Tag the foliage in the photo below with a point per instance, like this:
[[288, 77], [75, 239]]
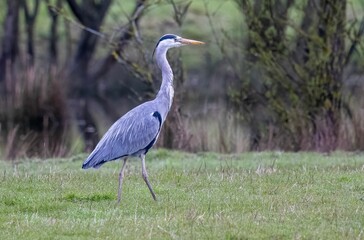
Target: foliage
[[290, 88], [200, 196]]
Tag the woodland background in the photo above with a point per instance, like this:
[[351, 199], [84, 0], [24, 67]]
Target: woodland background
[[274, 75]]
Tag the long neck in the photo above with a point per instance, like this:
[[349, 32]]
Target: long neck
[[166, 89]]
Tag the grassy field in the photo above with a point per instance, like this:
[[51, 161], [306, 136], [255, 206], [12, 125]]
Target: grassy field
[[200, 196]]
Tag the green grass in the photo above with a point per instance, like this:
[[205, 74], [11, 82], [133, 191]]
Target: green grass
[[200, 196]]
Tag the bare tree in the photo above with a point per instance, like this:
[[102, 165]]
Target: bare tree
[[89, 13]]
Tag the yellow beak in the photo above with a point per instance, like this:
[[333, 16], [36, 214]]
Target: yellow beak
[[190, 41]]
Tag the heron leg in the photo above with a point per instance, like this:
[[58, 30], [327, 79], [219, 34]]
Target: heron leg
[[145, 176], [121, 176]]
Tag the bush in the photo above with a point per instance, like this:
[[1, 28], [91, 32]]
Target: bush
[[33, 115]]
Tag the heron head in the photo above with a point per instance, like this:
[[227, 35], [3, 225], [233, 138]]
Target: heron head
[[170, 41]]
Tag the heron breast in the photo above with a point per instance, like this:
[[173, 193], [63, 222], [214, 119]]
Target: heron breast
[[171, 94]]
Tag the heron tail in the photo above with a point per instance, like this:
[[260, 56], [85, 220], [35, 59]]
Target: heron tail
[[86, 164], [97, 159], [93, 160]]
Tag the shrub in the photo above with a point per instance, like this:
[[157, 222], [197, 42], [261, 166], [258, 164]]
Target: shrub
[[34, 119]]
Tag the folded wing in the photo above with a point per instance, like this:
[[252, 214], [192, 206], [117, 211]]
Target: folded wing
[[130, 135]]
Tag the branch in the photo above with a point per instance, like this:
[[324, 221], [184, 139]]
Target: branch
[[126, 34], [180, 13], [355, 42], [53, 10]]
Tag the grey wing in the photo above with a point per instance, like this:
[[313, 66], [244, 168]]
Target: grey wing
[[127, 136]]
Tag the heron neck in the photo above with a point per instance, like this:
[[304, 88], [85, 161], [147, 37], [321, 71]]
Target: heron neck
[[166, 89]]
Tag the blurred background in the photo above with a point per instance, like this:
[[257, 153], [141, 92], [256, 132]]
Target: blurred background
[[274, 75]]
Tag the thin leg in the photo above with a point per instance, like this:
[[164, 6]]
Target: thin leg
[[145, 176], [121, 176]]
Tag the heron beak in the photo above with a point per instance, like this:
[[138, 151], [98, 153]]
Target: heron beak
[[190, 41]]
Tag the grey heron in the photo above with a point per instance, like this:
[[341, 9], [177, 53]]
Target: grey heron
[[136, 132]]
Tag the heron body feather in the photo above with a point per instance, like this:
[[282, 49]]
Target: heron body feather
[[133, 134]]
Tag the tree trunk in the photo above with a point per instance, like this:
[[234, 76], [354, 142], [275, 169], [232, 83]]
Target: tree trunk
[[10, 40], [53, 37], [29, 27], [266, 23], [90, 13], [331, 30]]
